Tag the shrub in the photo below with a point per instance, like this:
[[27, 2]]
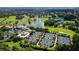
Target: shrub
[[16, 39]]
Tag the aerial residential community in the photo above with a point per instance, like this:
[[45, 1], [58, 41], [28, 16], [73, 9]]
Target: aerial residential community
[[39, 29]]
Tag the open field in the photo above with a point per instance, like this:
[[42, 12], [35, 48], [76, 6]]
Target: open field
[[66, 31], [69, 22], [24, 20], [9, 20], [12, 20], [43, 19]]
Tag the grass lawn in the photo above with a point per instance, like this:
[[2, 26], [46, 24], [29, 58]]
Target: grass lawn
[[10, 20], [13, 44], [67, 31], [43, 19], [17, 45], [24, 20], [1, 19], [69, 22]]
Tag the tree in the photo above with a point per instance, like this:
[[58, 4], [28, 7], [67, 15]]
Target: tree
[[63, 47], [77, 31], [14, 48], [16, 39], [23, 43], [16, 22], [76, 22], [50, 22], [31, 27], [70, 17], [4, 28], [1, 35], [75, 45]]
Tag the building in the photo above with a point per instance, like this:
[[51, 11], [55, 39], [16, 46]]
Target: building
[[24, 34]]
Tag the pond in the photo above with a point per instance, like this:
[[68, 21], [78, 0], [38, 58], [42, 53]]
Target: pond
[[39, 24]]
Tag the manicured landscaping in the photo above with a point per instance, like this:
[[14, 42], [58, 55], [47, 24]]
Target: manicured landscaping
[[43, 19], [10, 20], [69, 22], [65, 31], [17, 46], [24, 20]]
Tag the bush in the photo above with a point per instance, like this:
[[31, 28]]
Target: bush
[[77, 31], [42, 29], [14, 48], [1, 35], [75, 41], [16, 39], [31, 27], [38, 47], [49, 23], [4, 28]]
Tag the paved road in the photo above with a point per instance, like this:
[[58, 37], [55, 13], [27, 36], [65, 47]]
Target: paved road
[[6, 39], [55, 41]]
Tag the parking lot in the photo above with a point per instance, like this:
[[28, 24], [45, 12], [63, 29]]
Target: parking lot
[[64, 40], [34, 38], [45, 40]]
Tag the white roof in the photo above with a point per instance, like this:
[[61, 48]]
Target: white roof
[[24, 34]]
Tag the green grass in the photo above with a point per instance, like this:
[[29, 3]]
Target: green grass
[[69, 22], [17, 45], [13, 44], [43, 19], [1, 19], [24, 20], [66, 31], [10, 20]]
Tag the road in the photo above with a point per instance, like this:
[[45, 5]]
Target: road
[[55, 41], [5, 39]]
